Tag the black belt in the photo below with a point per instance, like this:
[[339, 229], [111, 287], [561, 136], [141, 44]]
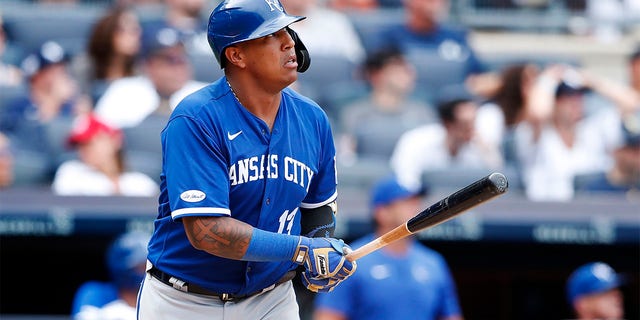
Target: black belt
[[192, 288]]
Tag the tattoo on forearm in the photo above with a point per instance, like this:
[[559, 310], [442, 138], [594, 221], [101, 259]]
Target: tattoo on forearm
[[216, 236]]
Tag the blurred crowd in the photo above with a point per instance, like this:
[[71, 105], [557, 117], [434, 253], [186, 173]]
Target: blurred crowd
[[403, 86], [405, 90]]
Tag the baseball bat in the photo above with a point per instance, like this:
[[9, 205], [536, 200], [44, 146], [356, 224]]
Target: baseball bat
[[482, 190]]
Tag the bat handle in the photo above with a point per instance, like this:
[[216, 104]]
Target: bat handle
[[399, 232]]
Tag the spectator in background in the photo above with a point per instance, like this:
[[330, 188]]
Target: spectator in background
[[560, 140], [166, 79], [64, 2], [441, 51], [520, 92], [624, 175], [593, 291], [325, 32], [353, 5], [452, 143], [100, 169], [403, 280], [126, 259], [37, 123], [113, 47], [634, 70], [371, 126], [607, 19], [10, 75], [6, 162], [141, 105], [508, 106], [624, 97], [138, 2], [186, 16]]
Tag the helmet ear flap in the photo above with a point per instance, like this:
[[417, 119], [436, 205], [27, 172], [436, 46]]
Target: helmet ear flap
[[302, 54]]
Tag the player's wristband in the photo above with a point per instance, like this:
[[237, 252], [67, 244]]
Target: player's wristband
[[270, 246]]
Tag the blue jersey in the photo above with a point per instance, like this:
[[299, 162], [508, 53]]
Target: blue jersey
[[221, 160], [93, 294], [417, 285]]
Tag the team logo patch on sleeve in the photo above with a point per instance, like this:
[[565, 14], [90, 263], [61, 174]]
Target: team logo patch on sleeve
[[193, 196]]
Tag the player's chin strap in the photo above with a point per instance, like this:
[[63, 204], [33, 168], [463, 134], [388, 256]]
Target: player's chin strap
[[302, 54]]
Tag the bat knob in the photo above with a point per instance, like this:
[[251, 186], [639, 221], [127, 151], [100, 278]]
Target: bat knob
[[499, 181]]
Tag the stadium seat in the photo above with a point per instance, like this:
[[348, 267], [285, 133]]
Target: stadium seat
[[57, 131], [143, 149], [146, 135], [32, 169], [10, 93], [341, 94], [498, 61], [362, 173], [12, 54], [448, 180], [370, 24], [390, 3], [205, 67], [452, 179], [324, 78], [434, 72], [532, 16], [69, 25], [582, 182]]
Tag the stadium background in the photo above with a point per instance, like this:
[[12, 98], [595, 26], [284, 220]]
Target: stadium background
[[510, 258]]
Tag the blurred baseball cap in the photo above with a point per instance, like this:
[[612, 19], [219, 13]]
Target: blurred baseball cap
[[49, 53], [450, 96], [568, 89], [158, 36], [389, 190], [379, 58], [86, 127], [454, 93], [571, 84], [591, 278]]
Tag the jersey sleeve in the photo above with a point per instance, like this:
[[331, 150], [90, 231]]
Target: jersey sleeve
[[323, 187], [195, 170]]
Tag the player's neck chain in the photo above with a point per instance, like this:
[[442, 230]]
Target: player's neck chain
[[234, 93]]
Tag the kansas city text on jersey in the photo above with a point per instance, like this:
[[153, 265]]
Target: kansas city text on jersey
[[248, 169]]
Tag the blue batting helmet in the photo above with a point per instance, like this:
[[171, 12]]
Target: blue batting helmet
[[126, 257], [234, 21]]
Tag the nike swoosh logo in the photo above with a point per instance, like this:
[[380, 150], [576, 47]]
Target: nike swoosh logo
[[233, 136]]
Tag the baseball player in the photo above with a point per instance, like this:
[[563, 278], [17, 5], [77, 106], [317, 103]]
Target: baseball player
[[404, 280], [594, 292], [116, 299], [248, 185]]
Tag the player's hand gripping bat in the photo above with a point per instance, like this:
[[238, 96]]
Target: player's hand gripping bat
[[482, 190]]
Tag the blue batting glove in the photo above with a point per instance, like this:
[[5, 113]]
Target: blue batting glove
[[324, 258], [318, 285]]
